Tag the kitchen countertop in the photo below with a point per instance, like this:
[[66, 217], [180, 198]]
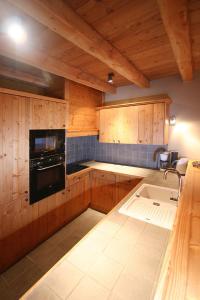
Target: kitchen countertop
[[119, 259]]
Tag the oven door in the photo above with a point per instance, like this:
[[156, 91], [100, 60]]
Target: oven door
[[46, 181]]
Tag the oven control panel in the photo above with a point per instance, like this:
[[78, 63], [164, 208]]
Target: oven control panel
[[46, 161]]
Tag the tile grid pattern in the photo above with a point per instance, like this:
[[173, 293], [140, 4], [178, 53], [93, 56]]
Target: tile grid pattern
[[89, 148], [107, 264], [20, 277]]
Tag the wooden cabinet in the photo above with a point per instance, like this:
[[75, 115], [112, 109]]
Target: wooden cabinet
[[125, 184], [108, 189], [103, 196], [119, 125], [77, 194], [82, 104], [160, 123], [136, 124], [145, 124], [23, 226], [47, 114]]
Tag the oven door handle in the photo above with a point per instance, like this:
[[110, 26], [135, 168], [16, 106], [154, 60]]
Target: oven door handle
[[56, 165]]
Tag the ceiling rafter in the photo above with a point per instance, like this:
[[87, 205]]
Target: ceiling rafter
[[175, 17], [60, 18]]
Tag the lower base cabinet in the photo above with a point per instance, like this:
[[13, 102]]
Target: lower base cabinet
[[108, 189], [124, 184], [77, 195], [103, 196]]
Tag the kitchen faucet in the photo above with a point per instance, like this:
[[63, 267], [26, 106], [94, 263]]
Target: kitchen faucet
[[174, 171]]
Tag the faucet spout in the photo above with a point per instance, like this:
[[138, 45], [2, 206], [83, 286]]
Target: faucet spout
[[174, 171]]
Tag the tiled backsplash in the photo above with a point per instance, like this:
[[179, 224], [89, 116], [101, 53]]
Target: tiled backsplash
[[89, 148]]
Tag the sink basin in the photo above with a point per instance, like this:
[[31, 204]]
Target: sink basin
[[152, 204]]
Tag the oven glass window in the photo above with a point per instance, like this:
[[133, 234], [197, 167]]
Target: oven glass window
[[45, 144]]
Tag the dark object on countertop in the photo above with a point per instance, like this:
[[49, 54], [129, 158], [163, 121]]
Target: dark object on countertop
[[73, 168], [196, 164]]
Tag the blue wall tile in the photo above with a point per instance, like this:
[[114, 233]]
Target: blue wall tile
[[89, 148]]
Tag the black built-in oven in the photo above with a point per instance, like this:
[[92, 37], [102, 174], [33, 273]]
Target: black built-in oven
[[47, 163]]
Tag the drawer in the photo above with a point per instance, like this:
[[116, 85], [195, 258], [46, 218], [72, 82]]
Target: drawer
[[75, 178]]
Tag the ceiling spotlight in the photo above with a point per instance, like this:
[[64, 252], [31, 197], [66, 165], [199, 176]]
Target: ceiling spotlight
[[110, 78], [172, 120], [16, 31]]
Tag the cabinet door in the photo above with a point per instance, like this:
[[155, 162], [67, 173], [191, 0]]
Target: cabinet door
[[103, 196], [56, 115], [124, 185], [107, 126], [15, 212], [127, 125], [119, 125], [78, 195], [39, 114], [160, 124], [145, 124]]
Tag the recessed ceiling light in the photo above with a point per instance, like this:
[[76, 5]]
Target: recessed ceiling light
[[16, 31], [110, 78]]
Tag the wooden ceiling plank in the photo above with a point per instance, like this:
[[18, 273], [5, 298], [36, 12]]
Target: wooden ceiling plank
[[44, 62], [176, 21], [14, 73], [60, 18]]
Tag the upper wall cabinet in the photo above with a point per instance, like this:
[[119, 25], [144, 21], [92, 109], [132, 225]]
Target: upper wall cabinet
[[47, 114], [135, 123], [119, 125]]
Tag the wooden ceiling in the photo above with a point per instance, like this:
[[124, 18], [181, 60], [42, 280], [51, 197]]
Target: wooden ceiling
[[135, 29]]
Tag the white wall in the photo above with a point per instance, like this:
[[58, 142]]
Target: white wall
[[185, 135]]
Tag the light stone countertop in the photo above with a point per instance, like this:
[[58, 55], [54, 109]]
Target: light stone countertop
[[119, 259]]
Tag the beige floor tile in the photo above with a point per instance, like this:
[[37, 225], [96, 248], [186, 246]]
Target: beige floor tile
[[128, 288], [119, 250], [41, 292], [117, 217], [63, 279], [96, 240], [131, 231], [108, 227], [5, 292], [24, 282], [46, 255], [69, 242], [89, 289], [154, 236], [83, 257], [14, 272], [143, 262], [106, 271]]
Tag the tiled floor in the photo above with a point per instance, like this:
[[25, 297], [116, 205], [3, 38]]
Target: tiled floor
[[20, 277]]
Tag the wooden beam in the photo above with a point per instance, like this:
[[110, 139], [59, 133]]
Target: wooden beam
[[42, 61], [13, 73], [60, 18], [175, 17]]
